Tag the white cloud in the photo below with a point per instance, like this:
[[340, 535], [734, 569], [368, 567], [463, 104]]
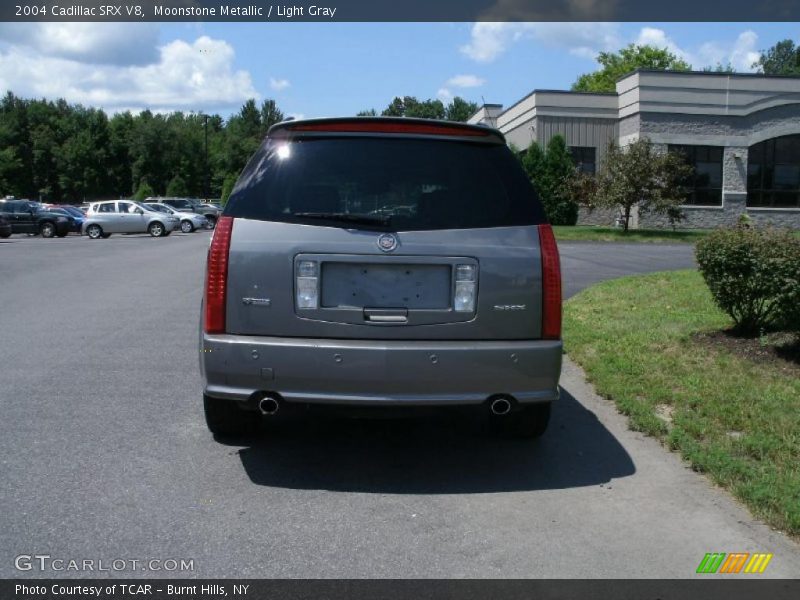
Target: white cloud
[[444, 95], [278, 85], [195, 75], [489, 40], [465, 81], [745, 51], [741, 53], [91, 43], [650, 36]]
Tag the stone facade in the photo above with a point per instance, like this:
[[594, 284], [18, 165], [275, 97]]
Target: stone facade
[[731, 111], [598, 216]]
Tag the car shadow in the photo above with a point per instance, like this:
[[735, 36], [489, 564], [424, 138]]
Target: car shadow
[[441, 455]]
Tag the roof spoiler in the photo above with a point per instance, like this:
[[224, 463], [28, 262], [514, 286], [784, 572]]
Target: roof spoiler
[[401, 126]]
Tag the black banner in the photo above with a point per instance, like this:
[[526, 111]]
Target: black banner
[[392, 10], [405, 589]]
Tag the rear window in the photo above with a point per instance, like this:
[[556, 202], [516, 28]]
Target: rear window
[[397, 184]]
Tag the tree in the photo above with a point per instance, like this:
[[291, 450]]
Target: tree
[[227, 188], [177, 187], [460, 110], [551, 172], [63, 152], [614, 65], [409, 106], [638, 175], [781, 59], [270, 114], [143, 191], [720, 68], [370, 112]]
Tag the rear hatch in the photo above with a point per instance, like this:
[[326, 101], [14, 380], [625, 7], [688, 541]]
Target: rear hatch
[[376, 232]]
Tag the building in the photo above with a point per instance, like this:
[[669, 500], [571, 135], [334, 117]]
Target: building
[[740, 131]]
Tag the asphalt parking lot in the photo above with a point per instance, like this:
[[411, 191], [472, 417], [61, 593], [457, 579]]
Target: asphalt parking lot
[[105, 454]]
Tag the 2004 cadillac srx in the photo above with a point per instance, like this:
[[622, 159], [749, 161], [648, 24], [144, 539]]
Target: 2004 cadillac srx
[[382, 262]]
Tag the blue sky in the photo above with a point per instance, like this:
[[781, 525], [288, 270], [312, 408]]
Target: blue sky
[[324, 69]]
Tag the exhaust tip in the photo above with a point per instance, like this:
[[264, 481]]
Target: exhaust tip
[[500, 406], [269, 406]]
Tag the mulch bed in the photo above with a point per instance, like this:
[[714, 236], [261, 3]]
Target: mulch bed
[[781, 350]]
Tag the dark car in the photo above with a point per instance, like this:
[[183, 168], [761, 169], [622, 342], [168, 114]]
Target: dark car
[[5, 227], [26, 216], [382, 263], [73, 210], [75, 223]]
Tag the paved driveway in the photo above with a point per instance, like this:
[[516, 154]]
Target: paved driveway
[[104, 453], [585, 263]]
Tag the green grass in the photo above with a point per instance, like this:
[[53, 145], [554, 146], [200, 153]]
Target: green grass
[[736, 421], [591, 233]]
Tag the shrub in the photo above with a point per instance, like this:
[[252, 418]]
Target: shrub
[[143, 191], [551, 171], [177, 187], [754, 276]]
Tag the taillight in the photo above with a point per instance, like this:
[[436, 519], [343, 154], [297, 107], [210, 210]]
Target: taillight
[[551, 284], [217, 276]]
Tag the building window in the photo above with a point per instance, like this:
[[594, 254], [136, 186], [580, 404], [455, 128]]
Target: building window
[[705, 184], [584, 158], [773, 173]]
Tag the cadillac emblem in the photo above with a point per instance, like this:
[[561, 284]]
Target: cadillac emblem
[[387, 242]]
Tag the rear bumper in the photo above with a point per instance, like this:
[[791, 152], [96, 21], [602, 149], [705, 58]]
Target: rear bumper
[[370, 372]]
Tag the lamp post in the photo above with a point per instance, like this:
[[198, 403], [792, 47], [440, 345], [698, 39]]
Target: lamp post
[[205, 162]]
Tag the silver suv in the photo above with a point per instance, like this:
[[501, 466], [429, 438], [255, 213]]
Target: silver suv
[[382, 262]]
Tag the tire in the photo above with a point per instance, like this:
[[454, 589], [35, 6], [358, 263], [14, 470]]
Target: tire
[[47, 229], [186, 226], [225, 418], [529, 421], [212, 221], [5, 235], [156, 229], [95, 232]]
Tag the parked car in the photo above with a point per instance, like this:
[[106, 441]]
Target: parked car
[[454, 298], [126, 216], [74, 221], [191, 205], [5, 227], [73, 210], [189, 221], [26, 216]]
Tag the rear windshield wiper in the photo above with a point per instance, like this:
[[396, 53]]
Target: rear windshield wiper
[[345, 218]]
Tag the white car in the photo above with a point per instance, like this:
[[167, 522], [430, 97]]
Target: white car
[[189, 221], [126, 216]]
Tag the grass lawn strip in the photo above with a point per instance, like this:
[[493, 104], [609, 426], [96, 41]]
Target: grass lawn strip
[[734, 419]]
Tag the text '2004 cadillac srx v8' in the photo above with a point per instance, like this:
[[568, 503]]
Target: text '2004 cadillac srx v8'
[[382, 262]]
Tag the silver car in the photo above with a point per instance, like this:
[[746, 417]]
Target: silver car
[[189, 221], [382, 262], [125, 216]]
